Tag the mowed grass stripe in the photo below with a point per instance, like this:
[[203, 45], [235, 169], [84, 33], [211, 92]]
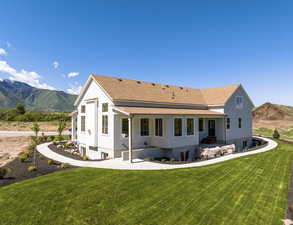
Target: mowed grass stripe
[[249, 190]]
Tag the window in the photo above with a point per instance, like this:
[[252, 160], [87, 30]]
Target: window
[[200, 125], [239, 102], [105, 107], [228, 123], [159, 127], [144, 127], [105, 124], [239, 122], [82, 120], [125, 127], [190, 126], [177, 127], [83, 109]]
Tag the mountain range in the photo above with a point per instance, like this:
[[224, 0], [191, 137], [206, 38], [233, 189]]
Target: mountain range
[[15, 92]]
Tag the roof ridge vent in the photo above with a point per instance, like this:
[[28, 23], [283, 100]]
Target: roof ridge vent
[[181, 88], [139, 82], [153, 84], [119, 79], [167, 85]]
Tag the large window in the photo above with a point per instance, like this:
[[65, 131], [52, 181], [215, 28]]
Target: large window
[[105, 107], [239, 122], [228, 123], [124, 128], [105, 124], [200, 124], [190, 126], [83, 109], [82, 123], [177, 127], [144, 127], [159, 127]]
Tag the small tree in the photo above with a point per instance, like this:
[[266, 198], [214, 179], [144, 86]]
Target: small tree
[[20, 109], [276, 134], [35, 128], [61, 127]]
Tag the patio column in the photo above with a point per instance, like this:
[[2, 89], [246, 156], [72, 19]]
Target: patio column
[[130, 118]]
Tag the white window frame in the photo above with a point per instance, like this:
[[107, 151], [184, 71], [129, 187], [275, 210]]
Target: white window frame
[[124, 118], [82, 131], [182, 129], [186, 127], [162, 127], [149, 133], [239, 105]]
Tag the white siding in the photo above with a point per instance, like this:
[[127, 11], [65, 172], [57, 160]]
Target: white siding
[[235, 134]]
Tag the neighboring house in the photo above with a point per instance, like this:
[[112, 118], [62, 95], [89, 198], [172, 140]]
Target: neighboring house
[[117, 116]]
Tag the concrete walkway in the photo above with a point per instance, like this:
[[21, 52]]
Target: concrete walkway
[[143, 165]]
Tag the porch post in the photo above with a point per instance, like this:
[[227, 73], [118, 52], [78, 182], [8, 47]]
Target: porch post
[[130, 138], [225, 129]]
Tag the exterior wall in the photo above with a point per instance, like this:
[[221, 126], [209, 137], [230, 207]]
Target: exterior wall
[[168, 140], [234, 134], [92, 136]]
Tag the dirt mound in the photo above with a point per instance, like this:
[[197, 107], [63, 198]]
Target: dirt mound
[[268, 111]]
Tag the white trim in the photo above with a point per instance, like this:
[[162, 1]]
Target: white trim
[[182, 123], [149, 119], [186, 125], [154, 126]]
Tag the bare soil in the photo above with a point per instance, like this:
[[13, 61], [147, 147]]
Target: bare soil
[[11, 147], [272, 124], [26, 126]]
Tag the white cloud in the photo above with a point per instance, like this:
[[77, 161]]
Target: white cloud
[[55, 64], [31, 78], [73, 74], [2, 51], [74, 89]]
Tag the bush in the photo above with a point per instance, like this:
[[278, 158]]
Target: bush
[[4, 171], [54, 142], [51, 138], [50, 161], [58, 138], [26, 152], [172, 160], [85, 157], [64, 165], [22, 157], [276, 134], [163, 160], [31, 168], [148, 159]]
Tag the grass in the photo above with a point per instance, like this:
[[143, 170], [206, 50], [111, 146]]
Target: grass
[[287, 134], [244, 191]]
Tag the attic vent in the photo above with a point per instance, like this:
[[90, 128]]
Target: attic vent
[[167, 86], [153, 84], [163, 88], [138, 82], [181, 88], [119, 79]]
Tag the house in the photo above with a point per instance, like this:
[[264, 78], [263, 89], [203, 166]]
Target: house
[[118, 117]]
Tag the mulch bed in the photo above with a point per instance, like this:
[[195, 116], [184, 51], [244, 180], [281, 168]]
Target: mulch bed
[[20, 172], [68, 154]]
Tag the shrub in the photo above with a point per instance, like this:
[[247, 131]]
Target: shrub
[[26, 152], [64, 165], [163, 160], [276, 134], [50, 161], [148, 159], [54, 142], [51, 138], [22, 157], [31, 168], [4, 171], [85, 157], [58, 138], [172, 160]]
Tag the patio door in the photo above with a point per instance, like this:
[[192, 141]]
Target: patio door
[[212, 128]]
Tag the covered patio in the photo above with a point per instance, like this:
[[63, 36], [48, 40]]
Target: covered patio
[[172, 132]]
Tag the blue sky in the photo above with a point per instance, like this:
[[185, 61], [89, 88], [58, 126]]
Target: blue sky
[[191, 43]]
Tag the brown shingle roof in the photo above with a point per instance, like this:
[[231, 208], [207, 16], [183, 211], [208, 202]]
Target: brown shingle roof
[[165, 111], [132, 90]]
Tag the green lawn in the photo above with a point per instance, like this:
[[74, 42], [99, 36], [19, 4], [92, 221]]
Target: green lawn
[[288, 134], [246, 191]]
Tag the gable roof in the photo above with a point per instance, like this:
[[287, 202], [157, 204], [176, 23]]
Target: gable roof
[[132, 90], [218, 95]]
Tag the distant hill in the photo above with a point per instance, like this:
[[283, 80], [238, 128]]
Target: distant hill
[[14, 92], [269, 111], [272, 116]]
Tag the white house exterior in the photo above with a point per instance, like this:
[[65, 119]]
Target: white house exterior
[[118, 117]]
